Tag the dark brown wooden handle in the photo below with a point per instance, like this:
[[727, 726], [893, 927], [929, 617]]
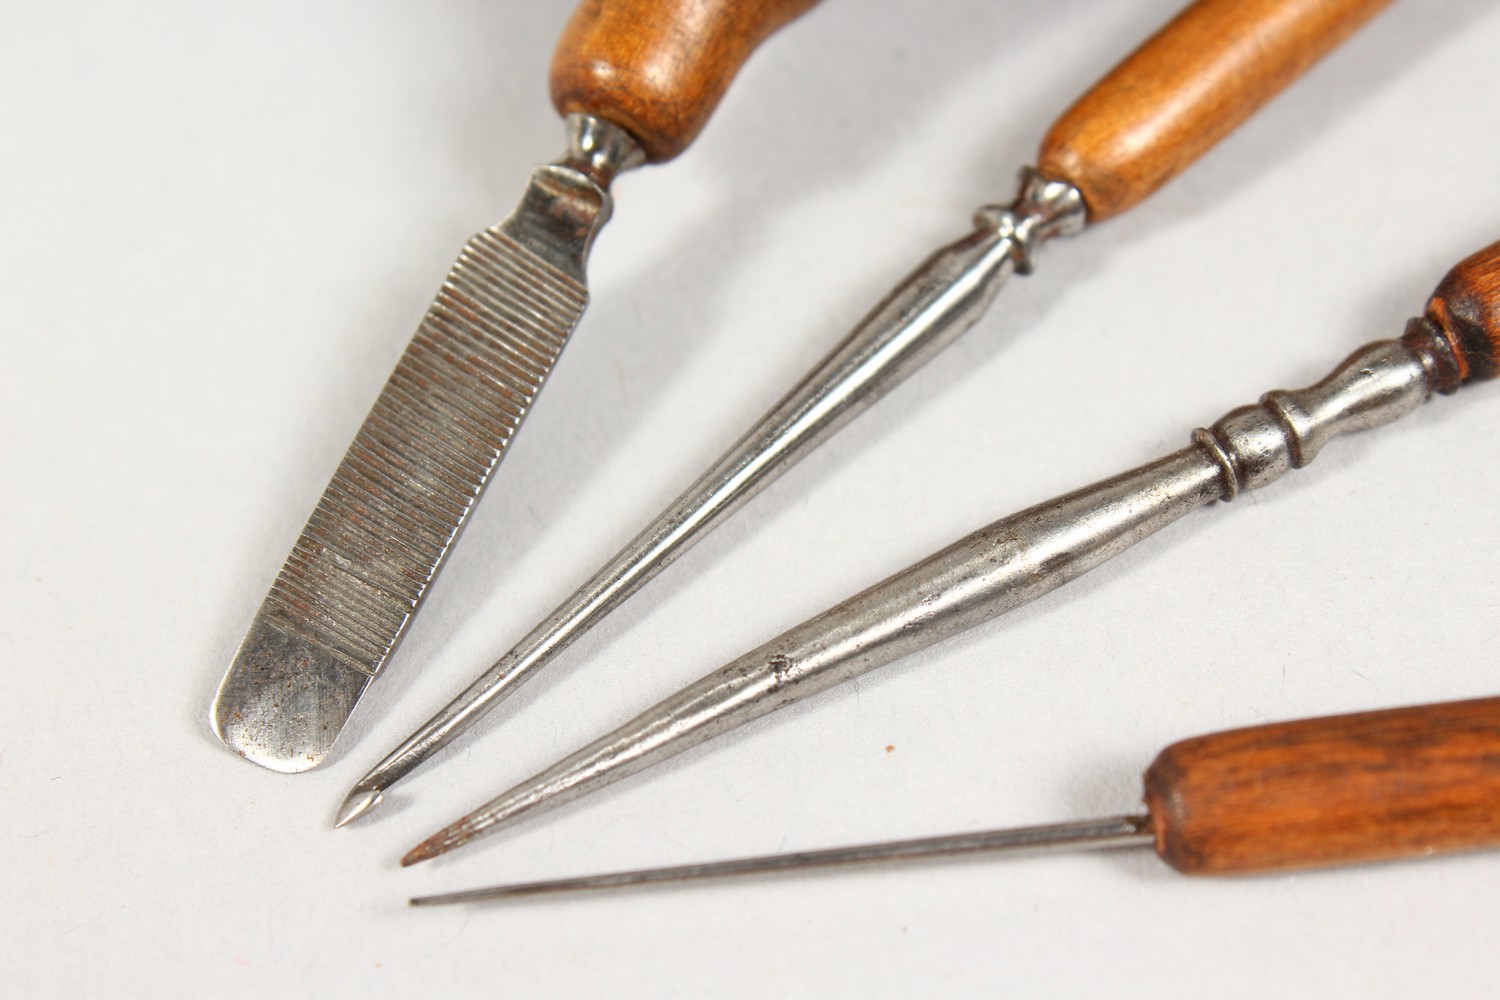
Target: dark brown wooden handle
[[1343, 789], [1188, 87], [1466, 307], [657, 68]]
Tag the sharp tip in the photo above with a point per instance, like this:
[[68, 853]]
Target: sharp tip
[[356, 804], [442, 900], [441, 842], [429, 849], [488, 818], [418, 854]]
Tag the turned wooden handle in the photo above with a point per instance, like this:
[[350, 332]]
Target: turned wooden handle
[[1344, 789], [1466, 307], [657, 68], [1189, 86]]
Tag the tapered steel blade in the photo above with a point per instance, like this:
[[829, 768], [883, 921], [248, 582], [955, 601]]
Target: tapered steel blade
[[364, 562]]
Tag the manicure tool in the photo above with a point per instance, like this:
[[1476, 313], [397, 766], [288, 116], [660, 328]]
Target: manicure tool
[[637, 80], [1341, 790], [1152, 116], [1019, 558]]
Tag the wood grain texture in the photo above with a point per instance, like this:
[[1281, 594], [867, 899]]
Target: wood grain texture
[[1466, 307], [1337, 790], [658, 68], [1186, 88]]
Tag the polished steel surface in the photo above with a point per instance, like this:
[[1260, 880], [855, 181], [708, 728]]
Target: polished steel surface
[[995, 569], [1085, 835], [940, 300], [364, 562]]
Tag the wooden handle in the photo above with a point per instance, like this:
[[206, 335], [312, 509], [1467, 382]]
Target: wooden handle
[[1188, 87], [1343, 789], [1466, 307], [657, 68]]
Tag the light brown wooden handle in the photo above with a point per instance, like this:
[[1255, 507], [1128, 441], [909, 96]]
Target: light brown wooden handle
[[1188, 87], [657, 68], [1338, 790], [1466, 307]]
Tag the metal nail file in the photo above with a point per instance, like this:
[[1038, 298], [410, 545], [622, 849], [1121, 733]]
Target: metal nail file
[[1147, 120], [636, 80], [1346, 789], [1030, 554]]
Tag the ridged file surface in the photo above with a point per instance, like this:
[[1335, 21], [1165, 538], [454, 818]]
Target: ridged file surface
[[437, 431]]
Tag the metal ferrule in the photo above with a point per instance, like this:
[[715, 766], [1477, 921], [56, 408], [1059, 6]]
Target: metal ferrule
[[1002, 566], [600, 149], [568, 201], [1378, 383], [1044, 208]]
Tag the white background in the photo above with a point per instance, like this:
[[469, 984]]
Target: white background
[[220, 223]]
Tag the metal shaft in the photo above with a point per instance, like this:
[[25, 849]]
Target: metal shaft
[[939, 301], [1086, 835], [995, 569]]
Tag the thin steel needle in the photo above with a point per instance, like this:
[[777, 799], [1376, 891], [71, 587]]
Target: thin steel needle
[[1097, 834], [1342, 789]]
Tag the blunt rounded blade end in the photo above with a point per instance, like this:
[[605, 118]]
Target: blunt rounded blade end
[[284, 700]]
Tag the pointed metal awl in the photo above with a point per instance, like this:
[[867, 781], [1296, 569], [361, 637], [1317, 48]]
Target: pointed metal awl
[[1022, 557], [931, 308]]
